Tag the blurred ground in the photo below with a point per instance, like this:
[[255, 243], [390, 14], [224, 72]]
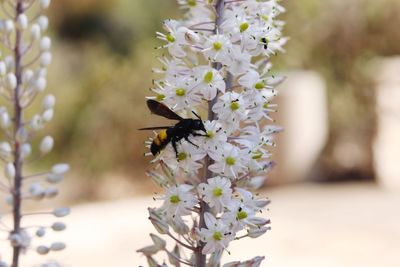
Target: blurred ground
[[340, 225]]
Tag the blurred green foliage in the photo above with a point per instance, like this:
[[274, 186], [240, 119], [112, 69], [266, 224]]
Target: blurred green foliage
[[104, 52]]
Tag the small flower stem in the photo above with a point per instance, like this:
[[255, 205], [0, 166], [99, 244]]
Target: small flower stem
[[17, 201], [201, 259]]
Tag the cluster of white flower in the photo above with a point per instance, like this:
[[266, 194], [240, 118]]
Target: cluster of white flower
[[23, 71], [219, 60]]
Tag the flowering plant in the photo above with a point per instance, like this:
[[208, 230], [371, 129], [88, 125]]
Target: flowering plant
[[219, 61], [23, 70]]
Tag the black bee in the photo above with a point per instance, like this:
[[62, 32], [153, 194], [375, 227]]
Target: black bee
[[182, 130]]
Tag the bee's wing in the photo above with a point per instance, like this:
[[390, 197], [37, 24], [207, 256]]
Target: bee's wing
[[162, 110], [155, 128]]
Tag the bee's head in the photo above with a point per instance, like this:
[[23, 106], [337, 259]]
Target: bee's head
[[198, 125]]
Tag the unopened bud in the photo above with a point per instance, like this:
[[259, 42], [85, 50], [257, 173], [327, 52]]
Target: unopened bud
[[45, 59], [46, 145], [48, 102], [45, 43], [54, 178], [26, 150], [158, 241], [35, 32], [149, 250], [40, 232], [40, 84], [60, 168], [8, 26], [22, 21], [43, 22], [3, 68], [58, 226], [57, 246], [4, 120], [11, 81], [61, 212], [9, 170], [45, 4], [42, 250], [27, 76], [51, 192], [48, 115], [257, 231]]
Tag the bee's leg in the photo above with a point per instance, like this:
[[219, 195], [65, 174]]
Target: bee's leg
[[173, 142], [190, 142], [197, 134]]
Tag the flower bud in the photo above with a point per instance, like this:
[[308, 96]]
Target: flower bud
[[257, 231], [58, 226], [36, 191], [61, 212], [26, 150], [42, 250], [51, 192], [46, 145], [48, 102], [9, 170], [9, 26], [5, 149], [48, 115], [35, 32], [57, 246], [9, 60], [4, 120], [45, 43], [158, 241], [36, 122], [60, 168], [149, 250], [40, 84], [22, 21], [11, 81], [3, 68], [158, 222], [54, 178], [27, 76], [43, 22], [45, 4], [40, 232], [45, 59]]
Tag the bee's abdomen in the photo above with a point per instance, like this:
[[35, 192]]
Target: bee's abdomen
[[159, 142]]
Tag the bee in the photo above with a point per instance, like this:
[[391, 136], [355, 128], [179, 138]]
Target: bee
[[173, 134]]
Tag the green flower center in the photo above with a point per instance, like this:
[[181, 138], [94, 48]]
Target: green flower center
[[180, 92], [208, 77], [217, 46], [265, 17], [191, 3], [259, 85], [210, 134], [217, 236], [182, 156], [160, 97], [266, 105], [244, 26], [230, 161], [174, 199], [217, 192], [170, 38], [241, 215], [235, 106], [257, 155]]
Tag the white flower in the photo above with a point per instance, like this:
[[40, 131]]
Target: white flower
[[181, 94], [209, 81], [239, 62], [231, 109], [188, 157], [216, 136], [230, 161], [216, 193], [179, 200], [217, 235], [217, 49]]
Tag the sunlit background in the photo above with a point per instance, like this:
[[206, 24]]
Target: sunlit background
[[335, 189]]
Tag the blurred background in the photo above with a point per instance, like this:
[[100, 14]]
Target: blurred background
[[335, 190]]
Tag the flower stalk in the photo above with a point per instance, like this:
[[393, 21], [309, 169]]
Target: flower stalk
[[219, 61], [23, 71]]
